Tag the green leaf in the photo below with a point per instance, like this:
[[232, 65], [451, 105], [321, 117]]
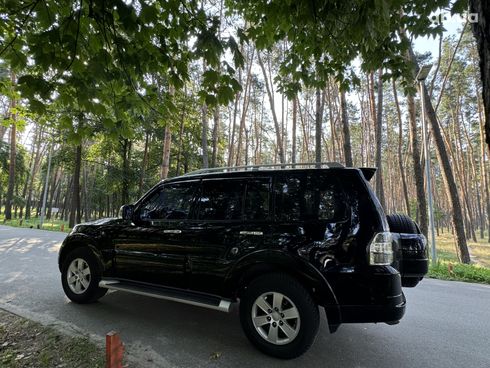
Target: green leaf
[[211, 100], [37, 107], [459, 7], [149, 14], [210, 77]]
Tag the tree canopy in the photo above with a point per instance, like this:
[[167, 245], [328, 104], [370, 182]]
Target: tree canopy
[[323, 38], [72, 51], [89, 55]]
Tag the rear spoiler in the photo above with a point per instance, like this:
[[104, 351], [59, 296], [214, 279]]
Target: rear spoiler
[[368, 172]]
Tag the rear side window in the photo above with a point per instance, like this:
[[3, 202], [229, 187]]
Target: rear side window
[[308, 197], [288, 194], [221, 199], [257, 206], [323, 199]]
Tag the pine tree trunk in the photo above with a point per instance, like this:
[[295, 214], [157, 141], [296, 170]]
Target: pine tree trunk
[[3, 130], [481, 31], [204, 136], [204, 130], [75, 197], [126, 156], [305, 151], [400, 143], [216, 112], [13, 143], [86, 202], [379, 141], [231, 143], [483, 169], [372, 113], [448, 176], [11, 178], [143, 165], [332, 123], [66, 199], [166, 153], [54, 188], [279, 143], [346, 130], [31, 166], [295, 122], [318, 126], [417, 168], [246, 100], [216, 128], [37, 161], [181, 138]]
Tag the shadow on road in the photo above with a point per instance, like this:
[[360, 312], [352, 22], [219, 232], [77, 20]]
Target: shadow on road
[[190, 336]]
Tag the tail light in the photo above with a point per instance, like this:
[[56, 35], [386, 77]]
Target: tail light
[[381, 249]]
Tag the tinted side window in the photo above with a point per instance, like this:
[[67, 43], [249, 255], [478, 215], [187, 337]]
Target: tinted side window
[[221, 199], [308, 197], [172, 201], [289, 199], [323, 199], [257, 200]]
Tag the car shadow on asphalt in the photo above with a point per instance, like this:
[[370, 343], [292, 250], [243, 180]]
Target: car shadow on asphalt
[[190, 336]]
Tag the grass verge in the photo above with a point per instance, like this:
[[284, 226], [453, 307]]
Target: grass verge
[[24, 343], [53, 225], [446, 270]]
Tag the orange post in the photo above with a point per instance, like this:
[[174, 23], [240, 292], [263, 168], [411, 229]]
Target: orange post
[[62, 228], [114, 350]]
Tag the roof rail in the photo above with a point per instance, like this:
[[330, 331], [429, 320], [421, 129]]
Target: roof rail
[[303, 165]]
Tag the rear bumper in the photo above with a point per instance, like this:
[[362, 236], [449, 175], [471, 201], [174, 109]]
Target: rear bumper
[[389, 313], [369, 295]]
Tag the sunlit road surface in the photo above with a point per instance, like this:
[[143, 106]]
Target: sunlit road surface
[[447, 324]]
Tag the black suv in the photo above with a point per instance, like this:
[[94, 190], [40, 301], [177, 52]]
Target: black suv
[[282, 240]]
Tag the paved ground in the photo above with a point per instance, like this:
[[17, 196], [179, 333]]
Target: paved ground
[[447, 324]]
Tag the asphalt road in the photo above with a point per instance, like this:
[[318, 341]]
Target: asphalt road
[[447, 324]]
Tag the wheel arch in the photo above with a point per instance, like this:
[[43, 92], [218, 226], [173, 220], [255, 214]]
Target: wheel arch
[[78, 241], [261, 262]]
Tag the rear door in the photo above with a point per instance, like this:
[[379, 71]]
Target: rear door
[[232, 221]]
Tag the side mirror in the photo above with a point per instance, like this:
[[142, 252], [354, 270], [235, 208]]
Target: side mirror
[[126, 212]]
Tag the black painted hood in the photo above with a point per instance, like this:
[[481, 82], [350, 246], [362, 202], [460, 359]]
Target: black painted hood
[[97, 224]]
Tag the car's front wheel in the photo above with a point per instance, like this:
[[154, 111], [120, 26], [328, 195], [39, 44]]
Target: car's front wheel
[[80, 276], [279, 316]]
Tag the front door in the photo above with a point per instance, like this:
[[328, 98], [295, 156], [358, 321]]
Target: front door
[[153, 248]]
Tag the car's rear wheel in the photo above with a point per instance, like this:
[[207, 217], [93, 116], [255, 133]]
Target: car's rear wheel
[[80, 276], [279, 316]]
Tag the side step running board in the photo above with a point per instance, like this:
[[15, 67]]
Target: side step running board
[[197, 299]]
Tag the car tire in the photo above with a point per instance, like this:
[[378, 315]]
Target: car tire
[[400, 223], [80, 276], [286, 332]]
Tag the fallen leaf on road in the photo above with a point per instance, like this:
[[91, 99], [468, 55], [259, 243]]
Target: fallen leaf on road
[[215, 356]]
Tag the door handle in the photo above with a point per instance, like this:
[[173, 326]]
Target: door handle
[[256, 233], [172, 231]]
